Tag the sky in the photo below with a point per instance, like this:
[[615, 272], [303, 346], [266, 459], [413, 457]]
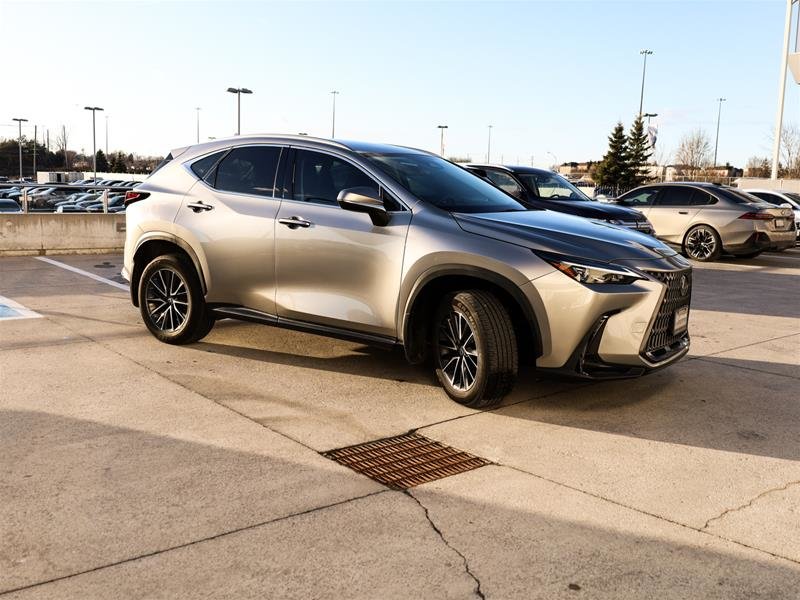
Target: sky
[[552, 78]]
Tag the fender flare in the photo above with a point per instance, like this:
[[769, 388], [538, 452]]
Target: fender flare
[[163, 236]]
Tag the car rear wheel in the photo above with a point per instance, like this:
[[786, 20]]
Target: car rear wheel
[[475, 348], [171, 301], [702, 243]]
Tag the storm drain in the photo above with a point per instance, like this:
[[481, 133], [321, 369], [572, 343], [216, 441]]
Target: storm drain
[[406, 460]]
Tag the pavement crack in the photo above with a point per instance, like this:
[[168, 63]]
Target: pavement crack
[[478, 591], [753, 500]]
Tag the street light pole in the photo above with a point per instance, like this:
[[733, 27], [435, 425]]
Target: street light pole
[[645, 53], [555, 160], [239, 92], [776, 148], [197, 108], [106, 137], [19, 141], [35, 136], [334, 93], [716, 141], [489, 147], [441, 141], [94, 110]]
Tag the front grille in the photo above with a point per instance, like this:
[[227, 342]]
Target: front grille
[[406, 460], [662, 342]]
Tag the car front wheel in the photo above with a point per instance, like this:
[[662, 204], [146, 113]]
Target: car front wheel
[[171, 301], [475, 348]]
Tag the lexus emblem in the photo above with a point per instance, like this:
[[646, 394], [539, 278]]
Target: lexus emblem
[[684, 285]]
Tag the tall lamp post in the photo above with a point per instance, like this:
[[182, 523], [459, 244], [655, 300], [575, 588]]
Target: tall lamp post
[[239, 92], [334, 93], [197, 108], [94, 110], [555, 160], [716, 141], [645, 53], [648, 115], [19, 140], [441, 139], [776, 148], [489, 146], [106, 136]]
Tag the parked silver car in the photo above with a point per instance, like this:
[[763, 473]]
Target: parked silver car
[[395, 246], [705, 219], [783, 199]]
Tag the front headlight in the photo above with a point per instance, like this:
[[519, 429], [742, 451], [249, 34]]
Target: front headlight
[[587, 271]]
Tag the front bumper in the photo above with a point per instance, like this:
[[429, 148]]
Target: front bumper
[[601, 331]]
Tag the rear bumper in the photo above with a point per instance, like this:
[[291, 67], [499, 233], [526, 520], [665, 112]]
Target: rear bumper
[[763, 240]]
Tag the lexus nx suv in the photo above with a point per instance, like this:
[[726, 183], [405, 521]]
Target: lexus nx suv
[[398, 247], [706, 219], [539, 188]]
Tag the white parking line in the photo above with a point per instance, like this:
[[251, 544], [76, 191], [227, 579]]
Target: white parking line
[[110, 282], [10, 310]]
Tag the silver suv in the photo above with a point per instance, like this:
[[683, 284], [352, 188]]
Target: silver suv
[[395, 246]]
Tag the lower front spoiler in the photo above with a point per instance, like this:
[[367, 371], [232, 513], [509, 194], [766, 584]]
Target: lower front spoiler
[[585, 362]]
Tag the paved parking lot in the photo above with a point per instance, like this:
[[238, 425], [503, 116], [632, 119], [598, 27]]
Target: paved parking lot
[[132, 469]]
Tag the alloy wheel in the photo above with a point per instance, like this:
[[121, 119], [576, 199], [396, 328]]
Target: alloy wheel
[[167, 299], [701, 243], [458, 351]]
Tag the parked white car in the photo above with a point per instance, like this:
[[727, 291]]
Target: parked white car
[[781, 198]]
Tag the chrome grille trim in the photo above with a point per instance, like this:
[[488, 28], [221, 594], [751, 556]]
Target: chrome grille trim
[[662, 342]]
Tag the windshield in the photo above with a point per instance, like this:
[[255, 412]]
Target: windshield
[[550, 186], [442, 183]]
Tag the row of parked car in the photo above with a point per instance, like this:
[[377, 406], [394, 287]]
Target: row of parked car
[[79, 196], [703, 220]]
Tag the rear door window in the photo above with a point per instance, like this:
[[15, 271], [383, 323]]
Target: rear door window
[[204, 165], [675, 196], [248, 170]]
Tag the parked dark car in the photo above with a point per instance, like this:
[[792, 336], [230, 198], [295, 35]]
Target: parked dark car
[[9, 206], [543, 189]]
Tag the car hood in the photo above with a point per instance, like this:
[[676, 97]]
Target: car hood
[[597, 210], [564, 234]]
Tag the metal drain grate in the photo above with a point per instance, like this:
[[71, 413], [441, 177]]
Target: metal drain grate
[[406, 460]]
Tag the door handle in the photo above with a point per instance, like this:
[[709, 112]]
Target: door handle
[[295, 222], [683, 212], [199, 206]]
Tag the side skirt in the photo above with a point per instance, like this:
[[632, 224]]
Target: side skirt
[[255, 316]]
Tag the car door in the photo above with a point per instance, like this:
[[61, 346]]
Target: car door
[[672, 211], [230, 215], [334, 267]]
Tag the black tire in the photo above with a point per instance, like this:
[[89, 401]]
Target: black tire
[[749, 254], [493, 345], [171, 301], [706, 249]]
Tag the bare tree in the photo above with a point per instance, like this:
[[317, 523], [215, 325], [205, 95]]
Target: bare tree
[[757, 166], [62, 141], [790, 150], [694, 151]]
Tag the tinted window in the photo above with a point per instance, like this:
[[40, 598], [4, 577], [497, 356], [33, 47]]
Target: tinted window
[[551, 186], [675, 196], [771, 198], [441, 183], [737, 196], [320, 177], [249, 170], [640, 198], [202, 166], [504, 181], [701, 198]]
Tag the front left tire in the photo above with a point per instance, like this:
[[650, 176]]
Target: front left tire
[[475, 348], [171, 301]]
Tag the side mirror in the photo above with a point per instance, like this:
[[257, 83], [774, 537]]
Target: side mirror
[[364, 199]]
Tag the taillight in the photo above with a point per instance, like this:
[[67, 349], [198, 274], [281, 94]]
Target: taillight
[[134, 196], [757, 216]]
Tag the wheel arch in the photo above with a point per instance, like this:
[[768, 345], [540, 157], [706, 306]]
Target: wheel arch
[[155, 245], [423, 300]]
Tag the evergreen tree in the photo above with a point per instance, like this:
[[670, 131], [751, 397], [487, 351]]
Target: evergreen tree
[[639, 153], [102, 162], [613, 169]]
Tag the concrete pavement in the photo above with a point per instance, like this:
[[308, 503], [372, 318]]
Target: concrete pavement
[[134, 469]]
